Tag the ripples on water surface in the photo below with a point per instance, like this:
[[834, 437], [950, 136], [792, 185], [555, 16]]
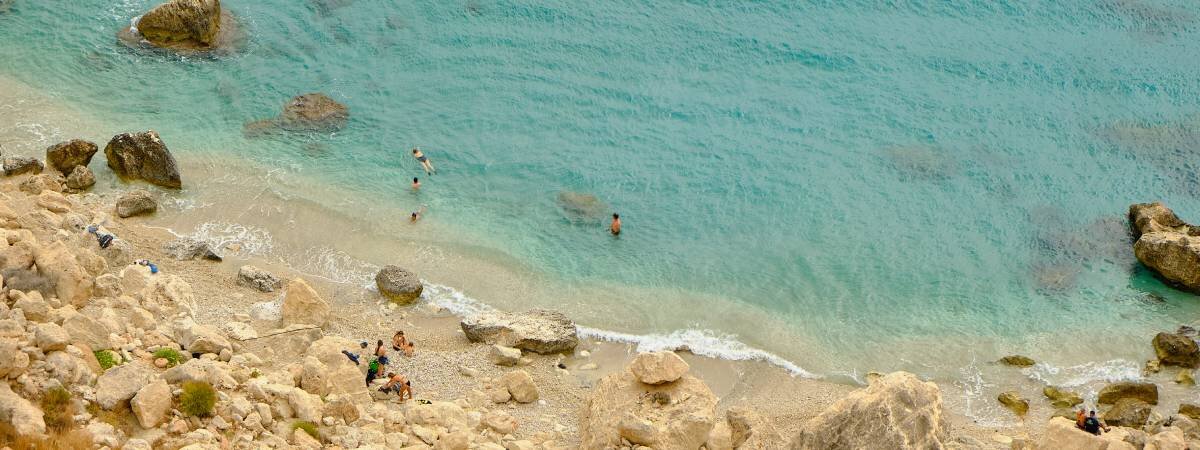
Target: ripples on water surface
[[880, 178]]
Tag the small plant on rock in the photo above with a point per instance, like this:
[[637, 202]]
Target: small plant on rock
[[308, 427], [197, 399], [172, 356], [106, 359]]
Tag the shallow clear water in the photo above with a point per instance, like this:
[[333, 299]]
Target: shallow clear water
[[851, 185]]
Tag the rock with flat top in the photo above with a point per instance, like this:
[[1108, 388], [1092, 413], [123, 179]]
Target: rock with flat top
[[658, 367], [1167, 245], [185, 26], [66, 156], [898, 411], [398, 285], [120, 383], [143, 156], [1176, 350], [1060, 398], [1014, 402], [1128, 412], [537, 330], [1017, 361]]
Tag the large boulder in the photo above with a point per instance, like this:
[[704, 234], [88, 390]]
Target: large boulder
[[1014, 402], [50, 337], [143, 156], [658, 367], [398, 285], [1060, 398], [184, 26], [313, 112], [537, 330], [65, 156], [677, 415], [120, 383], [1166, 244], [1176, 350], [18, 165], [13, 361], [302, 305], [25, 418], [897, 411], [1128, 412], [87, 331], [152, 403], [1146, 392], [72, 283]]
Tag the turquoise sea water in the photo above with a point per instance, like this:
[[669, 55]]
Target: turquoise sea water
[[899, 184]]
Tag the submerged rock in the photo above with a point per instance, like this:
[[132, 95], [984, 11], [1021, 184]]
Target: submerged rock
[[1176, 350], [136, 203], [537, 330], [899, 411], [1013, 401], [1060, 398], [313, 112], [398, 285], [582, 207], [143, 156], [1017, 360], [65, 156]]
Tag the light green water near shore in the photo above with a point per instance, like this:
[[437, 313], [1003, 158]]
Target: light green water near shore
[[849, 186]]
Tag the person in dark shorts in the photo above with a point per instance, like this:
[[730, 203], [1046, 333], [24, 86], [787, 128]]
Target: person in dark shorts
[[1092, 424]]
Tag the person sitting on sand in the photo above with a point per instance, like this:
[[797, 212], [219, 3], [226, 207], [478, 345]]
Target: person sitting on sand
[[416, 215], [1093, 425], [398, 384], [425, 164], [615, 228], [401, 344], [380, 352], [416, 184]]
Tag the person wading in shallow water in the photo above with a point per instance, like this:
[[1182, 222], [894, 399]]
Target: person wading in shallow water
[[425, 164], [615, 228], [416, 184]]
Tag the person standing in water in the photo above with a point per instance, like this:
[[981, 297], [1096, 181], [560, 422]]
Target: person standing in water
[[416, 215], [615, 228], [425, 164], [416, 184]]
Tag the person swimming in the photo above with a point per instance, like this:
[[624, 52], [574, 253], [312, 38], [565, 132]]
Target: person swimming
[[416, 184], [416, 215], [615, 228], [425, 164]]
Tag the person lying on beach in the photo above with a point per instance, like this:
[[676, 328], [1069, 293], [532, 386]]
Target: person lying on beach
[[147, 263], [401, 344], [416, 184], [615, 228], [398, 384], [356, 356], [416, 215], [425, 164]]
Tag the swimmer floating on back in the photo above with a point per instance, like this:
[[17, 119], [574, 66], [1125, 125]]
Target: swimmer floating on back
[[425, 164]]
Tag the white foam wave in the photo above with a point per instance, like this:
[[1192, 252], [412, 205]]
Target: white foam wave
[[242, 240], [699, 342], [337, 266], [974, 390], [1084, 374]]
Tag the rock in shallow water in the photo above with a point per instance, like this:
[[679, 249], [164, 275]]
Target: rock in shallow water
[[398, 285], [1017, 360], [136, 203], [143, 156], [1060, 398], [18, 165], [1013, 401], [1166, 244], [1147, 392], [1128, 412], [1176, 350]]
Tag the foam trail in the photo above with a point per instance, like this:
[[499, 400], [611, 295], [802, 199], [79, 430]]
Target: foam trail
[[699, 342], [1083, 374]]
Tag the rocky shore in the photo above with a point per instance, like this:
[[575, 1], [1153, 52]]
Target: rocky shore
[[97, 351]]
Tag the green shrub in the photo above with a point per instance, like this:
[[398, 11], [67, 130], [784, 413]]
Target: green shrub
[[308, 427], [58, 410], [197, 399], [172, 356], [255, 373], [106, 358]]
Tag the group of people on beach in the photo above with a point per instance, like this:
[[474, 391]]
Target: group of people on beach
[[614, 227], [377, 363]]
